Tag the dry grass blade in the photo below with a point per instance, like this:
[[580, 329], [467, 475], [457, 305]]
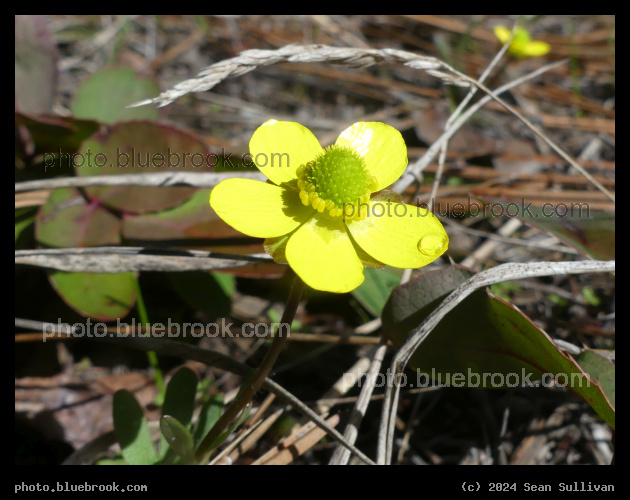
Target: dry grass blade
[[126, 259], [356, 58], [457, 112], [341, 456], [164, 179]]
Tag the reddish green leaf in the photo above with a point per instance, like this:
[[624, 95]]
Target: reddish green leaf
[[601, 370], [192, 219], [134, 148], [68, 220], [484, 340], [55, 134]]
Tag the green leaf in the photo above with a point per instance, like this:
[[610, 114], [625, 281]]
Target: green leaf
[[483, 342], [105, 95], [111, 461], [178, 438], [601, 371], [210, 413], [207, 292], [590, 296], [244, 415], [135, 148], [23, 219], [104, 297], [375, 289], [179, 400], [132, 430]]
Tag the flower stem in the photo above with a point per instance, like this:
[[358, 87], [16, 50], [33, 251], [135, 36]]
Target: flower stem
[[152, 356], [247, 392]]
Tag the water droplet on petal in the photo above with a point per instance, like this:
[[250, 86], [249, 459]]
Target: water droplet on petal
[[432, 244]]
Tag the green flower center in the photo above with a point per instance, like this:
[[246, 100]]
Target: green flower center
[[338, 182]]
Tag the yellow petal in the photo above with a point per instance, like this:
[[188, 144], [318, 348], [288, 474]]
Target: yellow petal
[[258, 209], [400, 235], [322, 254], [502, 33], [536, 48], [382, 148], [278, 148]]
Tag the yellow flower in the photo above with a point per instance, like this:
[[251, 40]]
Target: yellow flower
[[318, 211], [522, 44]]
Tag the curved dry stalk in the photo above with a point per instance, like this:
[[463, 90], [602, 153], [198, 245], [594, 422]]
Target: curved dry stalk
[[161, 179], [127, 259], [341, 455], [498, 274], [249, 60], [419, 165], [458, 110]]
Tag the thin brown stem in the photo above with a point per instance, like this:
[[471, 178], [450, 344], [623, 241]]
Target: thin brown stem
[[247, 392]]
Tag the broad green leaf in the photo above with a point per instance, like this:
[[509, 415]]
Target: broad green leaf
[[105, 95], [178, 438], [210, 293], [134, 148], [210, 413], [601, 370], [374, 291], [35, 64], [483, 342], [132, 430], [104, 297]]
